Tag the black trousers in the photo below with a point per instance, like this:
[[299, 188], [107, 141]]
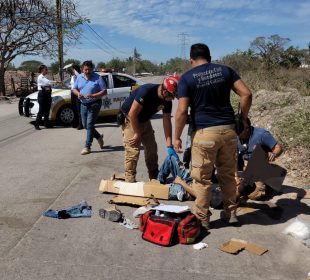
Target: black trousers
[[45, 102], [76, 104]]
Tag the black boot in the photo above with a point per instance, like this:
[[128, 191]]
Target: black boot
[[48, 125]]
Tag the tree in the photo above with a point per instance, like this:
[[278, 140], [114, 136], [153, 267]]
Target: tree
[[135, 60], [29, 27], [116, 64], [73, 61], [291, 57], [101, 66], [269, 49], [178, 65], [11, 67], [30, 65], [241, 61], [54, 67], [147, 66], [306, 53]]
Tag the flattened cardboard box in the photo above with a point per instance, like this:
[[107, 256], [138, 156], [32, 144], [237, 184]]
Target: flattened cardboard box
[[143, 189], [260, 169], [234, 246], [132, 200]]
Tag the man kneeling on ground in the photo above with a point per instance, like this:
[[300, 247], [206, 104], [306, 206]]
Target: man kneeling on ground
[[248, 139]]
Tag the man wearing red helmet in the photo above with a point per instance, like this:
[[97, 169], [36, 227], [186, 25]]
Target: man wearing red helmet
[[139, 108], [206, 90]]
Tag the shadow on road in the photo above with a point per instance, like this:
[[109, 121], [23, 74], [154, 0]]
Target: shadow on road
[[110, 148], [277, 210]]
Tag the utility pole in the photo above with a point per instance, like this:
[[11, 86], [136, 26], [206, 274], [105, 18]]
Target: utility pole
[[60, 40], [134, 65], [183, 42], [134, 61]]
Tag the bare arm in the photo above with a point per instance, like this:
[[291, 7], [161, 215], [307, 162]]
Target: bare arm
[[167, 128], [97, 94], [133, 118], [275, 152], [77, 93], [188, 188], [180, 121], [245, 94]]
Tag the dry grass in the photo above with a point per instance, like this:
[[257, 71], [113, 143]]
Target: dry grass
[[279, 79], [281, 104]]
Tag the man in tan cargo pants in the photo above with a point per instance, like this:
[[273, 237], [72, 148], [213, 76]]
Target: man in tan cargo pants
[[139, 108], [206, 89]]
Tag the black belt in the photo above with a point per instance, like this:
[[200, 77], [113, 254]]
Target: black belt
[[91, 103]]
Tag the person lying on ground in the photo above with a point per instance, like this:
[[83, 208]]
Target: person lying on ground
[[181, 186]]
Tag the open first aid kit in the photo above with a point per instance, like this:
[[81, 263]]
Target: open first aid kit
[[168, 228]]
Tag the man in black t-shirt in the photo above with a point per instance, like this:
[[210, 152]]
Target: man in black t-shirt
[[206, 90], [139, 108]]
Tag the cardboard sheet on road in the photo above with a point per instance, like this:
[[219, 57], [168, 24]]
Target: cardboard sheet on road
[[142, 189], [260, 169], [234, 246], [133, 200]]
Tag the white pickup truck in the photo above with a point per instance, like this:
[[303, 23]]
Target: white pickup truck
[[119, 87]]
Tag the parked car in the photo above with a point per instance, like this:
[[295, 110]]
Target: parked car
[[119, 87]]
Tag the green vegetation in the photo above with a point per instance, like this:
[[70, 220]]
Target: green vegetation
[[54, 67], [294, 129], [30, 66], [269, 66]]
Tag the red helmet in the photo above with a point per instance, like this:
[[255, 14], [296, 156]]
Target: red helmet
[[170, 85]]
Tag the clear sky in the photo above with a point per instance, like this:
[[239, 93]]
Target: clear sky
[[164, 29]]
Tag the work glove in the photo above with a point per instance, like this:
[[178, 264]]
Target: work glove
[[171, 152]]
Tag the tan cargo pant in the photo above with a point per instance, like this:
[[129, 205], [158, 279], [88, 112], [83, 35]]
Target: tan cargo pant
[[132, 152], [214, 146]]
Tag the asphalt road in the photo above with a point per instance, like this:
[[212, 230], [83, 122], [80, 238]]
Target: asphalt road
[[43, 170]]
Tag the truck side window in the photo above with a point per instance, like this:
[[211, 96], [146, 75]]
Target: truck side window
[[105, 78], [122, 81]]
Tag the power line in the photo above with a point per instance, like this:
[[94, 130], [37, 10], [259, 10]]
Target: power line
[[100, 37], [107, 43], [95, 43]]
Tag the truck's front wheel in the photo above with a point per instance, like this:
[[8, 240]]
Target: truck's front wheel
[[66, 115]]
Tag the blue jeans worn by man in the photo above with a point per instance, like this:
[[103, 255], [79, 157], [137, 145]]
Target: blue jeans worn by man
[[89, 87], [89, 114], [174, 167]]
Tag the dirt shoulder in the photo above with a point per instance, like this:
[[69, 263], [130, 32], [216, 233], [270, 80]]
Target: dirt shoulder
[[274, 111]]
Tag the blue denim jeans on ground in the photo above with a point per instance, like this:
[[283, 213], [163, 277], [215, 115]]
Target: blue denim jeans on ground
[[89, 114], [175, 168], [80, 210]]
